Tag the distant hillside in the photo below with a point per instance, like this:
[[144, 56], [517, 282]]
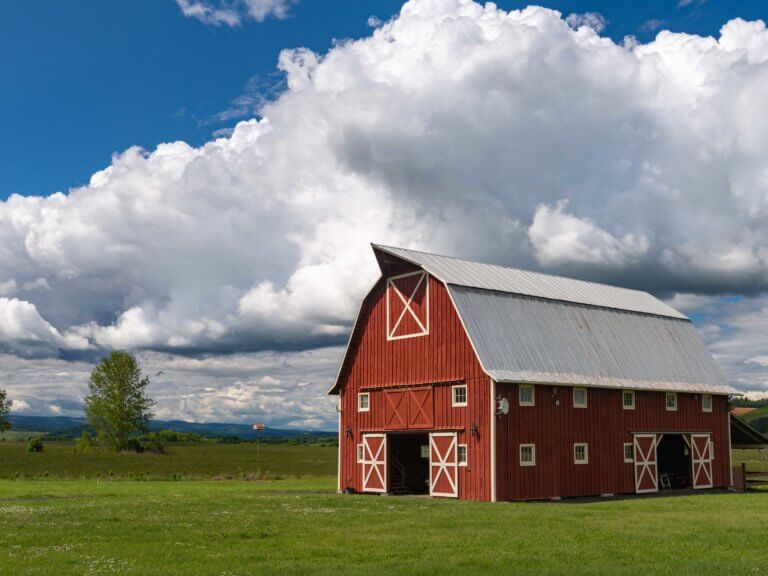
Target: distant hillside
[[72, 427], [758, 419]]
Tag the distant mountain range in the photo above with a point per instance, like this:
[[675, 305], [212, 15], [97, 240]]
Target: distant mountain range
[[66, 426]]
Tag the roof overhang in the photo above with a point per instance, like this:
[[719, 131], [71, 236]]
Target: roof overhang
[[744, 436], [559, 379]]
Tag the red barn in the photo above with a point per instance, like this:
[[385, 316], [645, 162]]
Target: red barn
[[482, 382]]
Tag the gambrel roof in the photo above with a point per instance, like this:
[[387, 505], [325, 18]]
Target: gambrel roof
[[541, 329]]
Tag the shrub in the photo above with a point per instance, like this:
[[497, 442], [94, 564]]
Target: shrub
[[155, 443], [133, 445], [35, 445], [84, 443]]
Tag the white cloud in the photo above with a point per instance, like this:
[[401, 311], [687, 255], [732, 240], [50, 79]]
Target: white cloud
[[594, 20], [559, 238], [232, 13], [25, 332], [456, 127]]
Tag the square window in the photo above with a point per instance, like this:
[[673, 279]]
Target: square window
[[671, 401], [459, 395], [706, 402], [363, 402], [527, 397], [580, 454], [425, 451], [360, 453], [461, 454], [628, 399], [579, 397], [527, 455], [629, 452]]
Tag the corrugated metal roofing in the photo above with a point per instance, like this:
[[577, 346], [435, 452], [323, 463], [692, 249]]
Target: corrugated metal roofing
[[525, 339], [490, 277]]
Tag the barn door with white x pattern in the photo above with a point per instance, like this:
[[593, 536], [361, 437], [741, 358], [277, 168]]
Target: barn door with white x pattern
[[443, 465], [374, 463], [407, 306], [701, 460], [646, 467]]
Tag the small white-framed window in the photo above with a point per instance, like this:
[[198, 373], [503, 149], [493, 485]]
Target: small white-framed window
[[364, 402], [461, 454], [527, 395], [629, 452], [459, 395], [672, 401], [580, 453], [527, 454], [628, 399], [360, 453], [579, 397], [706, 402]]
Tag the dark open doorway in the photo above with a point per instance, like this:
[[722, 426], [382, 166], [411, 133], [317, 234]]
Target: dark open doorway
[[674, 457], [408, 463]]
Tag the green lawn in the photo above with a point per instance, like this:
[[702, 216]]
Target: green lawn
[[303, 527], [186, 461], [53, 521]]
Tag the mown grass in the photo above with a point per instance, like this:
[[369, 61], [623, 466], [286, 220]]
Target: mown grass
[[183, 461], [303, 527]]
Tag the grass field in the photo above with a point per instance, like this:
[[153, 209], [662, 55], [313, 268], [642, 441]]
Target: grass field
[[302, 527], [103, 525], [183, 461]]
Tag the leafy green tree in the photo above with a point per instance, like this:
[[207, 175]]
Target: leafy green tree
[[5, 409], [117, 405]]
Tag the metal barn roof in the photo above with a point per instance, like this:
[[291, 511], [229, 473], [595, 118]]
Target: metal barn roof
[[490, 277], [524, 339]]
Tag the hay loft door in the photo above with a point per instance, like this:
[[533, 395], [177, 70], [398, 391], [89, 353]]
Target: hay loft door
[[443, 465], [374, 464], [407, 306]]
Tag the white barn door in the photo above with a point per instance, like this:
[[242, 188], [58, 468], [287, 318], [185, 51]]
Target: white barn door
[[443, 464], [701, 460], [374, 463], [646, 467]]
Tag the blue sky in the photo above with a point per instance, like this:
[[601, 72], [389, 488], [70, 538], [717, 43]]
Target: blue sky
[[235, 266], [81, 80]]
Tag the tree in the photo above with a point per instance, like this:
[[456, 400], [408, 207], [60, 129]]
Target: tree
[[117, 405], [5, 409]]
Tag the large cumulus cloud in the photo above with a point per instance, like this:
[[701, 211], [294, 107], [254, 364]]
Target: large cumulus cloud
[[511, 137]]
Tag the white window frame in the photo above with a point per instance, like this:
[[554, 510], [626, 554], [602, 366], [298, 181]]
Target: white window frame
[[631, 446], [586, 453], [704, 407], [459, 449], [666, 401], [454, 402], [533, 455], [584, 405], [360, 453], [632, 395], [520, 394], [360, 396]]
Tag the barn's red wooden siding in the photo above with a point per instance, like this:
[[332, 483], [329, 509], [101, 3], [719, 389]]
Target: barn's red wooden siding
[[605, 426], [442, 357]]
